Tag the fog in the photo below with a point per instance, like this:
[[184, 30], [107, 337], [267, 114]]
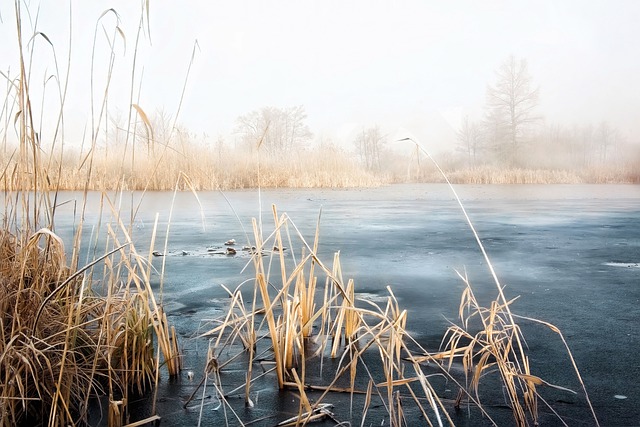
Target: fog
[[412, 68]]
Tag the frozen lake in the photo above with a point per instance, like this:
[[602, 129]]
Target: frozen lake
[[571, 252]]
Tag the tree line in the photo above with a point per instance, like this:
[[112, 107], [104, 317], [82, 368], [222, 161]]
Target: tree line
[[513, 134], [510, 134]]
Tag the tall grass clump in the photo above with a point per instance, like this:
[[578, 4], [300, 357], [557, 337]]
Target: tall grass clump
[[66, 341], [73, 333], [304, 312]]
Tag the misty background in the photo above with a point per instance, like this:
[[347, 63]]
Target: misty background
[[351, 77]]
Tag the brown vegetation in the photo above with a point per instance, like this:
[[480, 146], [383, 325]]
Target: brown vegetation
[[69, 333], [321, 167], [209, 170]]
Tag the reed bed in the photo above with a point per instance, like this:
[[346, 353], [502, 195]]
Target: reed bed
[[488, 174], [73, 333], [206, 168], [495, 175], [236, 168]]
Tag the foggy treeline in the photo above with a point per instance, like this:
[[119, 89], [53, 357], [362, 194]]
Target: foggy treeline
[[512, 133], [512, 142]]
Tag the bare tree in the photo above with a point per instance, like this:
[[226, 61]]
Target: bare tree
[[586, 142], [563, 142], [494, 134], [510, 105], [274, 130], [606, 138], [469, 139], [368, 145]]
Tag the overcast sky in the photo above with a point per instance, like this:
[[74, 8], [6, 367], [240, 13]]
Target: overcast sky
[[417, 66]]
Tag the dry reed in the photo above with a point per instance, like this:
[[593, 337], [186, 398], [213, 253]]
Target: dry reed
[[498, 344], [295, 315], [69, 333]]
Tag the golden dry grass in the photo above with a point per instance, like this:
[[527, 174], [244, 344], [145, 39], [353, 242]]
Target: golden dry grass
[[63, 342], [495, 175], [305, 323], [498, 175], [207, 170], [70, 333]]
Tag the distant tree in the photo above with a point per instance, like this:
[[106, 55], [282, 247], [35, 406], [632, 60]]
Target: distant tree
[[494, 135], [469, 139], [586, 143], [274, 130], [606, 138], [510, 106], [368, 145], [562, 141]]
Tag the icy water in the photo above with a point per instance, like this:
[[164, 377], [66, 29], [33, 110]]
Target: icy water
[[570, 252]]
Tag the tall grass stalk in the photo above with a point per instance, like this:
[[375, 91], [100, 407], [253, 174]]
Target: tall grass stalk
[[499, 344]]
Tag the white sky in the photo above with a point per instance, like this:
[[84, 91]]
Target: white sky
[[412, 65]]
